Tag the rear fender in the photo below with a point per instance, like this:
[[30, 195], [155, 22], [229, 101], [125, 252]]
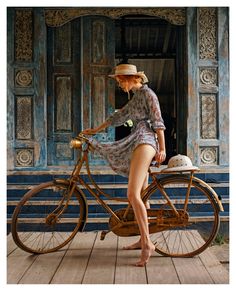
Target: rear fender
[[202, 184], [215, 196]]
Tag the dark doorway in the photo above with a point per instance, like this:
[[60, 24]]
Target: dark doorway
[[152, 45]]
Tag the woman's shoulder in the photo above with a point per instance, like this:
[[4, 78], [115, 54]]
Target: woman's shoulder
[[147, 90]]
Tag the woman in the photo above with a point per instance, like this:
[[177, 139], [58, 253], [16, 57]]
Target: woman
[[133, 155]]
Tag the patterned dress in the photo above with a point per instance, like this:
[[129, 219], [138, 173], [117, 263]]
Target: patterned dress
[[144, 110]]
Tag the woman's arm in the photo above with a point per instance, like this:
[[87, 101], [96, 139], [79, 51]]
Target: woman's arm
[[96, 129], [118, 118], [161, 155]]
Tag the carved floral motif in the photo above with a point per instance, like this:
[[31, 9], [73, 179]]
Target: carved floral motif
[[207, 33], [208, 116], [23, 118], [23, 35], [57, 17]]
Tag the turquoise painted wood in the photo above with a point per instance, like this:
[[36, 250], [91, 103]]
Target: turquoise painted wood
[[223, 54], [193, 121]]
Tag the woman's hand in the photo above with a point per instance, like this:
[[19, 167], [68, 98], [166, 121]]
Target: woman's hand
[[160, 156]]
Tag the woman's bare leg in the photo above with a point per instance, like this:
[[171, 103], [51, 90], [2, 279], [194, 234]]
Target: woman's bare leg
[[141, 159], [137, 245]]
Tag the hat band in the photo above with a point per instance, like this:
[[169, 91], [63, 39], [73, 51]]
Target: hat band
[[125, 72]]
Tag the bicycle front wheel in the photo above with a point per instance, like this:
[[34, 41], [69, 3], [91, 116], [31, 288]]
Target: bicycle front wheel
[[200, 219], [42, 223]]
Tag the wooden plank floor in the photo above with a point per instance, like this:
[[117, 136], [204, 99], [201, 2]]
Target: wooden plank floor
[[88, 260]]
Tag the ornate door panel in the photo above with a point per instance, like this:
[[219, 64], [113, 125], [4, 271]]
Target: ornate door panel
[[98, 61], [63, 107]]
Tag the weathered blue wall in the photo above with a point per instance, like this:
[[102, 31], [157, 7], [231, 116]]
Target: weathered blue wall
[[38, 140]]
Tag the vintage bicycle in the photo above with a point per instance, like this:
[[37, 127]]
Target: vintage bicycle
[[183, 215]]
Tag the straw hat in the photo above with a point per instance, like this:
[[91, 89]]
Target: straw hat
[[180, 163], [128, 69]]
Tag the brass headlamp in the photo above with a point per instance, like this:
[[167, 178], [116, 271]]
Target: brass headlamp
[[76, 144]]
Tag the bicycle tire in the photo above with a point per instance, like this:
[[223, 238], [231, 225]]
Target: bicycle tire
[[35, 227], [202, 217]]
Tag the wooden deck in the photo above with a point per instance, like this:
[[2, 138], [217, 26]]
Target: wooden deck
[[88, 260]]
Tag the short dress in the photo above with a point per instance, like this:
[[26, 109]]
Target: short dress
[[144, 111]]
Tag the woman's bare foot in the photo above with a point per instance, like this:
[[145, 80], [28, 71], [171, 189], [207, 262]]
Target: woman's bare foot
[[145, 255], [135, 246]]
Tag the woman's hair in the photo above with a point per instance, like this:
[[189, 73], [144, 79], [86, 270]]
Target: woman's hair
[[134, 78], [130, 78]]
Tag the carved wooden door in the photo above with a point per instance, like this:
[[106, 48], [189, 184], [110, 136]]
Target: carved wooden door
[[98, 61], [63, 108], [80, 56]]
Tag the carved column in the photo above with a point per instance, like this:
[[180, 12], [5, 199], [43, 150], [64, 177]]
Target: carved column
[[26, 129], [208, 86], [20, 89]]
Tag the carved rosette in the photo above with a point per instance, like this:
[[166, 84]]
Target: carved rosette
[[24, 158], [207, 34], [58, 17], [209, 156], [208, 76], [24, 78], [24, 35]]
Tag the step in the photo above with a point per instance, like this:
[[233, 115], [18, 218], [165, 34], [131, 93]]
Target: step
[[20, 183]]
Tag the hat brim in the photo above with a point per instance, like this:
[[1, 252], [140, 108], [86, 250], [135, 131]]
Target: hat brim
[[140, 74], [180, 169]]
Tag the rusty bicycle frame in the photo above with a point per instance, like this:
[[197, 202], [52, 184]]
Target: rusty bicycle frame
[[122, 221], [168, 218]]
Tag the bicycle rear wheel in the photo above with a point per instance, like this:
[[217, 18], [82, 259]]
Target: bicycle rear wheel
[[200, 220], [37, 224]]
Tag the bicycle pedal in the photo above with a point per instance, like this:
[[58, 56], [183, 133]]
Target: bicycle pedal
[[103, 234]]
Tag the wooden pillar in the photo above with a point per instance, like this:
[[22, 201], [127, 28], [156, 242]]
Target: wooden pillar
[[208, 87], [26, 88]]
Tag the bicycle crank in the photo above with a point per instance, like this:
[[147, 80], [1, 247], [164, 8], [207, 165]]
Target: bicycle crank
[[158, 219]]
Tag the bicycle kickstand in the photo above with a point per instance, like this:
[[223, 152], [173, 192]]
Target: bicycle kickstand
[[103, 234]]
